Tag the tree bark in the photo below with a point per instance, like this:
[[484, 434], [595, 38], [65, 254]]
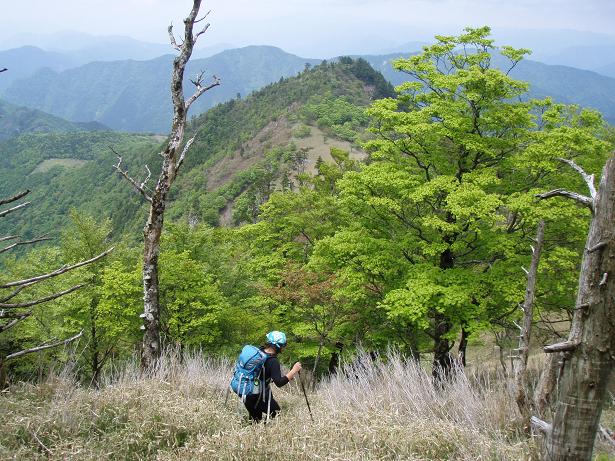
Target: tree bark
[[588, 355], [520, 361], [546, 384]]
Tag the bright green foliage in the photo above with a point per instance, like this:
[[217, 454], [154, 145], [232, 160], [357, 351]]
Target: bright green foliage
[[443, 210], [84, 239], [343, 118], [191, 300]]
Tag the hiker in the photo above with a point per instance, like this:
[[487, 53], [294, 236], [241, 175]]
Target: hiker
[[256, 398]]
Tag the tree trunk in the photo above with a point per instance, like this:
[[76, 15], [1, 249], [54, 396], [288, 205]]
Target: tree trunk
[[172, 160], [589, 353], [463, 345], [442, 362], [320, 346], [151, 307], [520, 361]]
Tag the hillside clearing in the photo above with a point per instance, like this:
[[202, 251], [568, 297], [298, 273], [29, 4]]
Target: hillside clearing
[[50, 163]]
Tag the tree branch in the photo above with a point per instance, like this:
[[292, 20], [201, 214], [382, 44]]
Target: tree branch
[[12, 295], [15, 197], [184, 151], [15, 321], [9, 237], [40, 300], [25, 242], [588, 178], [15, 208], [43, 347], [139, 187], [201, 89], [62, 270], [540, 425], [172, 38], [582, 199], [565, 346]]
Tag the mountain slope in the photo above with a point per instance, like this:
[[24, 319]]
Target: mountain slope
[[16, 120], [134, 95], [242, 149]]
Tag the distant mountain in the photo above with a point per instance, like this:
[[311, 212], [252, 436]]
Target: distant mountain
[[134, 95], [583, 57], [562, 83], [16, 120], [608, 70], [23, 62], [83, 48]]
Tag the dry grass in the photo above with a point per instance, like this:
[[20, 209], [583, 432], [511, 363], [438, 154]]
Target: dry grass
[[378, 411]]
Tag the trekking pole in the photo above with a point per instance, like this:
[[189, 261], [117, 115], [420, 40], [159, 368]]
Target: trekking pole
[[305, 395], [228, 391]]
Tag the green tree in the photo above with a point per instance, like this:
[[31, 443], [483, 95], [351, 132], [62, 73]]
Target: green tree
[[442, 209], [84, 238]]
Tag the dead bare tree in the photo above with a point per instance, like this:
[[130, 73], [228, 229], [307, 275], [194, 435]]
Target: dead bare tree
[[588, 355], [520, 360], [15, 306], [172, 158]]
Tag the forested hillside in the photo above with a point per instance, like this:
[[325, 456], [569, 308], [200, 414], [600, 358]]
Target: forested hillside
[[16, 120], [134, 95], [244, 149]]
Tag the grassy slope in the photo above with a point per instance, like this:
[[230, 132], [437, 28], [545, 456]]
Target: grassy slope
[[390, 412]]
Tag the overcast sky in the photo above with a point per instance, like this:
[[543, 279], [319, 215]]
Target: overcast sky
[[305, 26]]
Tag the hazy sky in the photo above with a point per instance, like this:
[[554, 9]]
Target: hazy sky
[[304, 26]]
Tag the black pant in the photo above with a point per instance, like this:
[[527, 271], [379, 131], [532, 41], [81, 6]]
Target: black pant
[[257, 406]]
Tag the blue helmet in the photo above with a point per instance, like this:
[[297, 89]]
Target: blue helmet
[[276, 339]]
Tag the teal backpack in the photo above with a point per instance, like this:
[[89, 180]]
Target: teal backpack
[[247, 371]]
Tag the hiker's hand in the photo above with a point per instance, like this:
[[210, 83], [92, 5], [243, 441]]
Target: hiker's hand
[[294, 370]]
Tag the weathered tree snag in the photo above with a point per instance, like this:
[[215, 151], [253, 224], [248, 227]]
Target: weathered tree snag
[[520, 361], [172, 157], [589, 353]]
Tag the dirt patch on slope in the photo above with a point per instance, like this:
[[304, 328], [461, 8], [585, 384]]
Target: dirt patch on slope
[[275, 133]]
